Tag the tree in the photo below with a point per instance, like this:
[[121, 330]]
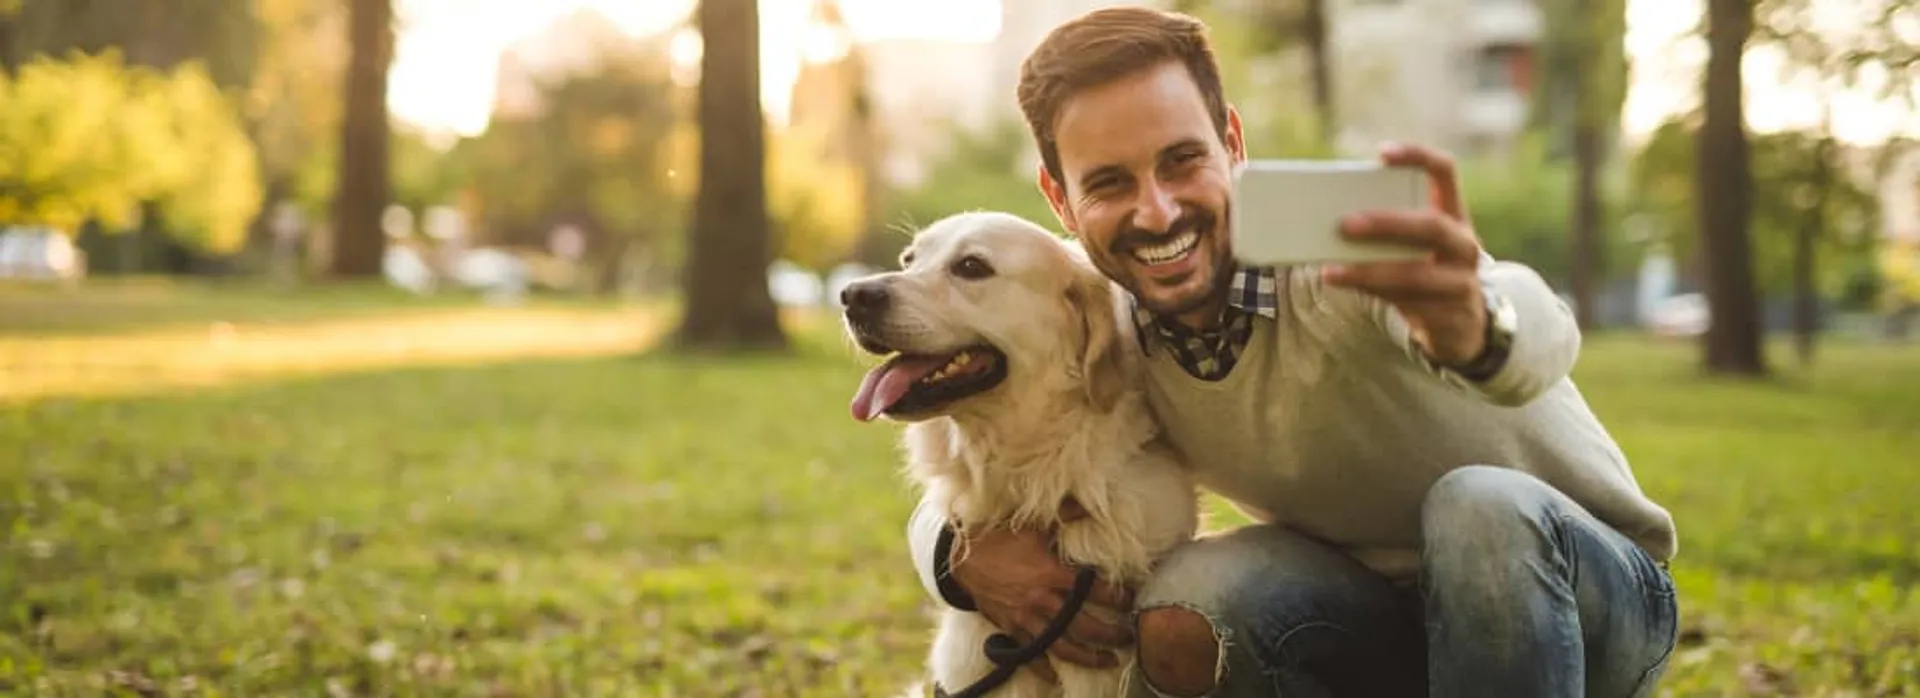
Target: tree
[[1313, 31], [1733, 339], [90, 140], [728, 304], [596, 153], [363, 188], [222, 34], [1830, 56], [1583, 91], [293, 107], [1813, 217]]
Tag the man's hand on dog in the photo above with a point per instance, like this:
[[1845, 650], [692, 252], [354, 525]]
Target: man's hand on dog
[[1019, 584], [1439, 296]]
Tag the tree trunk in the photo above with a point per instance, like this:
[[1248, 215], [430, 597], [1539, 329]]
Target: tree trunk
[[728, 305], [8, 27], [1733, 338], [1320, 63], [363, 190], [1806, 300], [1588, 253]]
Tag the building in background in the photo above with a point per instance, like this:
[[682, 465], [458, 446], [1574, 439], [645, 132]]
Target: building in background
[[1456, 74]]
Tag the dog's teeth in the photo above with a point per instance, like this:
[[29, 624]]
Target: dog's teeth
[[962, 358]]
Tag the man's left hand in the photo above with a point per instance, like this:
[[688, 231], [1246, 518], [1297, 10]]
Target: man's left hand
[[1440, 295]]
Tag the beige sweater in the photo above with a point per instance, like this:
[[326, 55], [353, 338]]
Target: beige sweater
[[1332, 423]]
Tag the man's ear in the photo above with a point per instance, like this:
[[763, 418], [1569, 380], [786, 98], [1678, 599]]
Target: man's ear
[[1056, 194], [1236, 141], [1101, 366]]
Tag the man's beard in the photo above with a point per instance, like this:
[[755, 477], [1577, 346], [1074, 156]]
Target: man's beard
[[1192, 218]]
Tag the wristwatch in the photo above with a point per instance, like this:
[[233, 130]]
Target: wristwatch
[[1502, 321]]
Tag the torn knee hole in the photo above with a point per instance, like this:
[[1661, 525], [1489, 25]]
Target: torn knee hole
[[1179, 651]]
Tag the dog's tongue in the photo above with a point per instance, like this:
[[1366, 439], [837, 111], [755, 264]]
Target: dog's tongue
[[888, 382]]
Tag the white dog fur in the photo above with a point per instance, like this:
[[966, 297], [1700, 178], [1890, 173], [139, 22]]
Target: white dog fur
[[1068, 421]]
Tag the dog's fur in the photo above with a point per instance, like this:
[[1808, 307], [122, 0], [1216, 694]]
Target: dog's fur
[[1068, 420]]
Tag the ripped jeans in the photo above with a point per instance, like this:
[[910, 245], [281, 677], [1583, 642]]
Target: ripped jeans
[[1523, 593]]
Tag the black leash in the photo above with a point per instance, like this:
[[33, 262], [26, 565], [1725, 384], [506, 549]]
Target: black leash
[[1007, 656]]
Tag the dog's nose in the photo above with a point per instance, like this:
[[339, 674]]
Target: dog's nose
[[864, 299]]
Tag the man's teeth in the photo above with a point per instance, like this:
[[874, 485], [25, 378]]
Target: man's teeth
[[1168, 251]]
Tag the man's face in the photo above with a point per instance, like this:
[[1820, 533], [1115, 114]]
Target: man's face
[[1146, 182]]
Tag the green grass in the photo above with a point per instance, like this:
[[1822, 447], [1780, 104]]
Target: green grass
[[519, 503]]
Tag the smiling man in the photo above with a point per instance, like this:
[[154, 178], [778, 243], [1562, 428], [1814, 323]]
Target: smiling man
[[1438, 511]]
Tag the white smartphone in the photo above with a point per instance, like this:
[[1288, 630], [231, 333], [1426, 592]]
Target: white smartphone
[[1287, 212]]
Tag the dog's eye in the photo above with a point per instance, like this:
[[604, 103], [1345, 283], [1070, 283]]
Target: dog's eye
[[971, 267]]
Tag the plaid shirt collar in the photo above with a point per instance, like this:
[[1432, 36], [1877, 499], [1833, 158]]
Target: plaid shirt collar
[[1211, 354]]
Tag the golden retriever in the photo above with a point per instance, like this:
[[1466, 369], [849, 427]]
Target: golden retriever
[[1011, 368]]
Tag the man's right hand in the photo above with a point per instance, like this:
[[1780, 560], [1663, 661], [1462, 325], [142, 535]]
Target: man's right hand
[[1019, 584]]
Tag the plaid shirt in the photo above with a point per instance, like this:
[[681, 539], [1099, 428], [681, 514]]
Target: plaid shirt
[[1210, 355]]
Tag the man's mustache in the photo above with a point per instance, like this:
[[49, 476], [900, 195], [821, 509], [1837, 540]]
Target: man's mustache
[[1131, 236]]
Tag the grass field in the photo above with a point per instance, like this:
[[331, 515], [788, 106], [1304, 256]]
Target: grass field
[[252, 495]]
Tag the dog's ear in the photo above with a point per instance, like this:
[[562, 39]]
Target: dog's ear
[[1101, 355]]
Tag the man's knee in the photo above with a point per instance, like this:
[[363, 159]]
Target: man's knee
[[1487, 504], [1484, 526], [1179, 651]]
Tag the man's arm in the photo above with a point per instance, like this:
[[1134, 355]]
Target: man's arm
[[930, 542], [1545, 339], [1494, 328]]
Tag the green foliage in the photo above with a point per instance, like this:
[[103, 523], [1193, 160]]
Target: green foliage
[[817, 204], [1855, 43], [1584, 69], [1787, 176], [981, 170], [91, 138], [596, 153], [1522, 208], [421, 175], [1898, 267], [293, 106], [1276, 106]]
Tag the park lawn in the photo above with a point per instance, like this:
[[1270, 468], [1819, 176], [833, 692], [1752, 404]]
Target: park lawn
[[570, 516]]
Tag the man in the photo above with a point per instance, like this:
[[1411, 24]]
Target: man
[[1440, 513]]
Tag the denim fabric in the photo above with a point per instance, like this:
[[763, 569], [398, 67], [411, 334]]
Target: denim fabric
[[1521, 593]]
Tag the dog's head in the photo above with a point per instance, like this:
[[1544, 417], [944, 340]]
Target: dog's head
[[987, 307]]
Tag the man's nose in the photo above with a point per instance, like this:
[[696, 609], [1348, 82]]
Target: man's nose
[[1156, 209], [864, 300]]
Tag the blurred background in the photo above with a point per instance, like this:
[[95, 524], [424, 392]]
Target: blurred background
[[469, 347]]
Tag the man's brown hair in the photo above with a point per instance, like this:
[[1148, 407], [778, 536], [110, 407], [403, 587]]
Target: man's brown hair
[[1105, 45]]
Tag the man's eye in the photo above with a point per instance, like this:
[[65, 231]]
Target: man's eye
[[971, 267]]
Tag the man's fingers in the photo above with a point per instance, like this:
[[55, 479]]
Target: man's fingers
[[1402, 280], [1070, 647], [1086, 629], [1442, 175], [1043, 666], [1069, 651], [1114, 596], [1451, 241]]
